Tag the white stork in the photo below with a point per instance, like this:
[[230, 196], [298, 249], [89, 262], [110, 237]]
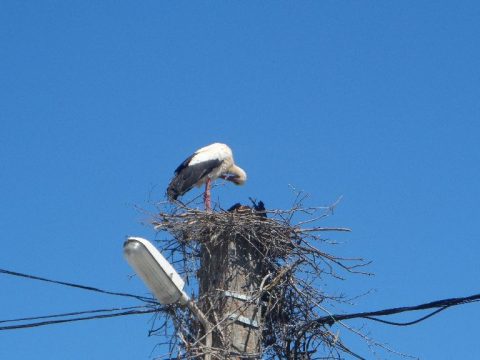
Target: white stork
[[204, 166]]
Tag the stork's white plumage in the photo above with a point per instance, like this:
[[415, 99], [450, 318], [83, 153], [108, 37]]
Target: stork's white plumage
[[204, 166]]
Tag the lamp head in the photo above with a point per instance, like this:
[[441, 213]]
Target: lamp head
[[155, 271]]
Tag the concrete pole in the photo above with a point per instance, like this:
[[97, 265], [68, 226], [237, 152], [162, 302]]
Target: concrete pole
[[231, 272]]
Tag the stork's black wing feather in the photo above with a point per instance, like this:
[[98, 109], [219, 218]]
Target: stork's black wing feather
[[186, 176], [184, 164]]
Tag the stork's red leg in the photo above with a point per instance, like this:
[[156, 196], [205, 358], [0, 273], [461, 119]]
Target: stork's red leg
[[206, 195]]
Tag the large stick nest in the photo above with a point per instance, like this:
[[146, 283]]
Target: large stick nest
[[290, 245]]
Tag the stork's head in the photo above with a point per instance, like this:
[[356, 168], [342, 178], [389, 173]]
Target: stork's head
[[237, 175]]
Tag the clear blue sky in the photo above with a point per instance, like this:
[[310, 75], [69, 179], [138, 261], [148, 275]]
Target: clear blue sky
[[375, 101]]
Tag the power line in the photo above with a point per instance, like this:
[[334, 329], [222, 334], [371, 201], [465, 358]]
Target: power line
[[409, 322], [83, 287], [440, 305], [51, 322], [71, 314], [112, 312]]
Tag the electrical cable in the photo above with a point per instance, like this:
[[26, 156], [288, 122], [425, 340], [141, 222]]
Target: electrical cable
[[71, 314], [112, 312], [83, 287], [440, 304], [407, 323], [51, 322]]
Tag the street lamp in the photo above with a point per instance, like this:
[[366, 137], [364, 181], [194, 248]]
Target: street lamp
[[156, 272], [162, 279]]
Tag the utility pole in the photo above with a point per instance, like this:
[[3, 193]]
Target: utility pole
[[231, 272]]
